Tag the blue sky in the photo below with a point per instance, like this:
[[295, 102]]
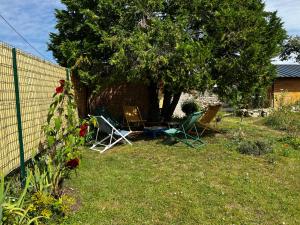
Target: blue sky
[[34, 19]]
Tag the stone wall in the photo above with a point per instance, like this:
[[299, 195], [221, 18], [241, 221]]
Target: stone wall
[[202, 99]]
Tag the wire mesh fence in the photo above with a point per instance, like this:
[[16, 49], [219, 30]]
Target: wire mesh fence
[[37, 80]]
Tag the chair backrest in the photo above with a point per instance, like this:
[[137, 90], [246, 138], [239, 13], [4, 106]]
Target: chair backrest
[[101, 111], [105, 124], [190, 121], [210, 114], [132, 114]]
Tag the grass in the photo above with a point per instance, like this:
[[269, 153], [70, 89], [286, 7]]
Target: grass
[[151, 183]]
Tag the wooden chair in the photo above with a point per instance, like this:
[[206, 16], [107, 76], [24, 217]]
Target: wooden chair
[[208, 117], [133, 116]]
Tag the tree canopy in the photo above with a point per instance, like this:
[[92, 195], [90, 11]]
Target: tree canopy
[[184, 45], [291, 49]]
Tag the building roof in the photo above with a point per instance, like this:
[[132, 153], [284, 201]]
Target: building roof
[[288, 71]]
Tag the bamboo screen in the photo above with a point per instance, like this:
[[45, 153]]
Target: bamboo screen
[[37, 82]]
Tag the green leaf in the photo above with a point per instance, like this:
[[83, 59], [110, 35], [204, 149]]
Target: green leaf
[[51, 140], [71, 139], [49, 117], [58, 123]]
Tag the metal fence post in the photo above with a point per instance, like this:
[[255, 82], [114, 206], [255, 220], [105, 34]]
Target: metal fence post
[[19, 119]]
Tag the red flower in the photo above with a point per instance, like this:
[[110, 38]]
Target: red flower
[[62, 82], [73, 163], [59, 89], [83, 130]]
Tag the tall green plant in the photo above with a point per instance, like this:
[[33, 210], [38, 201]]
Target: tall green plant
[[64, 135]]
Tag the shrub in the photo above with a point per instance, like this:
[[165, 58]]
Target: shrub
[[190, 106], [50, 207], [283, 118], [64, 136], [256, 148], [15, 210]]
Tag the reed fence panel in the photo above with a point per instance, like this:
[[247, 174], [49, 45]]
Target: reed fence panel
[[37, 81]]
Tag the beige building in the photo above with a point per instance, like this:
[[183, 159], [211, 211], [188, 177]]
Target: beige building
[[286, 87]]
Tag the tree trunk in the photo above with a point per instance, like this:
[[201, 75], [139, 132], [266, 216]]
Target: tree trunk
[[170, 109], [81, 96], [166, 103], [154, 114]]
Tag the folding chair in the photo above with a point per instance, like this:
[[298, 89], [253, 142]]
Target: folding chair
[[114, 135], [182, 134], [132, 115], [102, 111], [208, 117]]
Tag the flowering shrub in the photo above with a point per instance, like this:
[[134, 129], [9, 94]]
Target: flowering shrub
[[64, 136], [42, 197]]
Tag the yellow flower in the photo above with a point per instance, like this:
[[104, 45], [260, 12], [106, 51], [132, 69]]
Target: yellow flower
[[46, 213]]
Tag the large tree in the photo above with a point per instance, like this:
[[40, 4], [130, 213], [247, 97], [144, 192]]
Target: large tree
[[291, 49], [183, 45], [245, 39]]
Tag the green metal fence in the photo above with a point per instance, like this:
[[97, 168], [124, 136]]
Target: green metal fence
[[27, 84]]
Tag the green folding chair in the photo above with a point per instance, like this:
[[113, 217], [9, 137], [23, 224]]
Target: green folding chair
[[183, 133]]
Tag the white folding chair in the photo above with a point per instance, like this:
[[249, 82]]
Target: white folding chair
[[114, 135]]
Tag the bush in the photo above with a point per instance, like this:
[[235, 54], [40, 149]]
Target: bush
[[15, 209], [284, 119], [190, 106], [256, 148], [49, 207]]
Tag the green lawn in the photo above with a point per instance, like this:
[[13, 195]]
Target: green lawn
[[151, 183]]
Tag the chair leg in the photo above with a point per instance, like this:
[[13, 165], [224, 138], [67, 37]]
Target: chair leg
[[124, 137], [97, 134], [112, 144], [99, 143], [204, 129]]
